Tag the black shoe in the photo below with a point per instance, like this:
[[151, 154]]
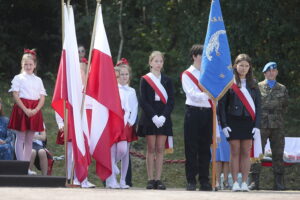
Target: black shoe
[[191, 187], [205, 187], [150, 184], [278, 182], [159, 185]]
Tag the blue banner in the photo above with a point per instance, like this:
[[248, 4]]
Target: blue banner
[[216, 69]]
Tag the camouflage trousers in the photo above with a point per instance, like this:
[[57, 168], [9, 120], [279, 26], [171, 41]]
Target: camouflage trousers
[[276, 137]]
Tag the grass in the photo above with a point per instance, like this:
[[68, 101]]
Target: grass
[[173, 174]]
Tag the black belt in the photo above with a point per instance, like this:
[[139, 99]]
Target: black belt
[[198, 108]]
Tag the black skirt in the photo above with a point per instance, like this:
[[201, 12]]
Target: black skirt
[[241, 127], [147, 127]]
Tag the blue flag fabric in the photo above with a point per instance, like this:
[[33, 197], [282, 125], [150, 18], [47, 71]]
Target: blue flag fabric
[[216, 69]]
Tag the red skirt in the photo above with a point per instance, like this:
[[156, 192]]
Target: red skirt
[[129, 134], [21, 122]]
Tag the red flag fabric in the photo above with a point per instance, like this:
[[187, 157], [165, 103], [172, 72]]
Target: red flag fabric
[[68, 88], [107, 117]]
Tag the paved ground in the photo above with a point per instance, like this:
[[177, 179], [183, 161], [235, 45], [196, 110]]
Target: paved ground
[[10, 193]]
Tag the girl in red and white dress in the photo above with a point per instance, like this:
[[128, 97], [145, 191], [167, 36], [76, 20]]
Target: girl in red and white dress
[[29, 96], [120, 150]]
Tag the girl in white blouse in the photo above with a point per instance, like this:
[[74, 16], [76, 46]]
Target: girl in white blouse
[[120, 150], [29, 96]]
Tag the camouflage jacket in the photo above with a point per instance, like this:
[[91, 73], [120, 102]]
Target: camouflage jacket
[[273, 104]]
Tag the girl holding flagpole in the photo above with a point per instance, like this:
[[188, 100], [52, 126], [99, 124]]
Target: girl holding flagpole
[[240, 118], [157, 103], [129, 102], [29, 96]]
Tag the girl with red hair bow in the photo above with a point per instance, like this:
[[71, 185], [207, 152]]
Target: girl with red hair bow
[[29, 96]]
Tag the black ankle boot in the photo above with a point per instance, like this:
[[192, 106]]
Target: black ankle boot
[[254, 181]]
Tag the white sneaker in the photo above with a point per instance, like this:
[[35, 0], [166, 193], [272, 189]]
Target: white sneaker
[[244, 187], [113, 186], [123, 185], [87, 184], [76, 181], [236, 187], [30, 172]]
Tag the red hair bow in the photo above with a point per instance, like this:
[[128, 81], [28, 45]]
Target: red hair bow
[[122, 61], [32, 52], [84, 60]]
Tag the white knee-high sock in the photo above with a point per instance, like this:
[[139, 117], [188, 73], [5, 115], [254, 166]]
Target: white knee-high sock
[[28, 145], [124, 164], [19, 145]]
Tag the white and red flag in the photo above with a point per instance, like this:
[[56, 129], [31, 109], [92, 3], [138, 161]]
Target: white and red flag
[[107, 116], [68, 88]]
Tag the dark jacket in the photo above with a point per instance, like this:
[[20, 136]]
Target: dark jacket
[[230, 104], [149, 105]]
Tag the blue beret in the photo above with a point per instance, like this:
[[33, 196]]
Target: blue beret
[[269, 65]]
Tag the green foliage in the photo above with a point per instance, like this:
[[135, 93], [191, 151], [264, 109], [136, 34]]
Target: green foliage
[[266, 30]]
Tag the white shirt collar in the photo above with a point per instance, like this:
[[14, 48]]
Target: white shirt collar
[[159, 78]]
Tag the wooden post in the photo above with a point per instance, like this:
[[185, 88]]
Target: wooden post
[[214, 146], [90, 56]]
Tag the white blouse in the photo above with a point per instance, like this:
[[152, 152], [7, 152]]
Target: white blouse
[[129, 103], [194, 97], [29, 86], [243, 82]]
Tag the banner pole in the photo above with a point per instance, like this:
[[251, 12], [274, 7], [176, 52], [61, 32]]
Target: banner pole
[[213, 176], [90, 56], [64, 102]]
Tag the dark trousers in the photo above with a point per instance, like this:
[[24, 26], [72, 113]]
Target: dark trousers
[[277, 142], [197, 141]]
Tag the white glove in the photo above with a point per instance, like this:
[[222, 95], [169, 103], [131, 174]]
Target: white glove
[[156, 121], [161, 120], [226, 131], [256, 132]]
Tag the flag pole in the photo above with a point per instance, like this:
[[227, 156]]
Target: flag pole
[[90, 56], [73, 164], [64, 102], [213, 176]]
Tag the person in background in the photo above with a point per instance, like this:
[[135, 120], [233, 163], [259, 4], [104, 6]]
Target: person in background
[[120, 150], [60, 123], [29, 96], [222, 161], [157, 103], [39, 153], [274, 105], [7, 137], [240, 111], [81, 51]]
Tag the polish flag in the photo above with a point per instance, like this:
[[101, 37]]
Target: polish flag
[[107, 117], [68, 88]]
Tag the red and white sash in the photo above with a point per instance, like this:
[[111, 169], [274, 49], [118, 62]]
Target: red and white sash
[[196, 82], [157, 87], [245, 98]]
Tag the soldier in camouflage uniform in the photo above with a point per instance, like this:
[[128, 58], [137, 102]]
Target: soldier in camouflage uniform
[[274, 101]]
